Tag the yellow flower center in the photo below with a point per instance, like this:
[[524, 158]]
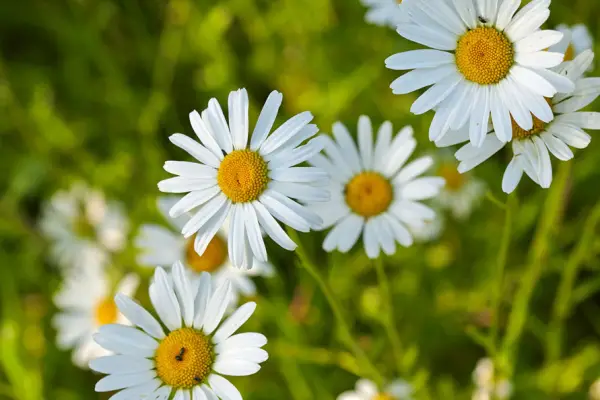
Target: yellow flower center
[[243, 176], [538, 126], [454, 179], [399, 1], [369, 194], [106, 312], [184, 358], [484, 55], [383, 396], [570, 53], [214, 256]]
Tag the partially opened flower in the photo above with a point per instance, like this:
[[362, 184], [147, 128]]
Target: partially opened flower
[[368, 390], [86, 303], [532, 148], [485, 60], [84, 228], [163, 246], [373, 190], [188, 353], [383, 12], [251, 182], [576, 40]]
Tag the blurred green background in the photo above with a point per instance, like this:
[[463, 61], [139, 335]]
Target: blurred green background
[[90, 90]]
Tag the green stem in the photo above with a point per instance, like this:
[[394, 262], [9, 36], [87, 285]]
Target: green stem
[[388, 316], [500, 267], [564, 297], [344, 326], [490, 196], [550, 218]]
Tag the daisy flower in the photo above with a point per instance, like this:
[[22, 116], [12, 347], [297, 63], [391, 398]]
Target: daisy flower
[[84, 228], [367, 390], [488, 385], [162, 246], [429, 231], [86, 303], [532, 148], [461, 192], [251, 183], [484, 59], [187, 359], [575, 41], [383, 12], [372, 190]]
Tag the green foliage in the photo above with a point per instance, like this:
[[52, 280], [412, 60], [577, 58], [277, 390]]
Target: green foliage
[[90, 90]]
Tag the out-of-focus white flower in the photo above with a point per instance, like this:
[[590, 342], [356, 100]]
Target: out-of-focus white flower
[[383, 12], [576, 40], [489, 386], [368, 390], [83, 227]]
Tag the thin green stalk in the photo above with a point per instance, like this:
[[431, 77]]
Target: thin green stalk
[[500, 267], [336, 308], [550, 218], [388, 316], [564, 297], [490, 196]]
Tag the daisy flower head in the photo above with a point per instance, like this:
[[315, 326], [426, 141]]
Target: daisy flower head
[[488, 385], [462, 192], [86, 303], [383, 12], [576, 40], [252, 182], [484, 60], [532, 148], [163, 246], [184, 354], [83, 227], [373, 190], [368, 390]]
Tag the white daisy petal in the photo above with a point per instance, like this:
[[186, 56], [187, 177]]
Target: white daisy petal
[[272, 228], [533, 81], [427, 37], [545, 172], [540, 59], [435, 94], [164, 300], [266, 120], [116, 382], [241, 341], [195, 149], [234, 367], [223, 388], [192, 200], [253, 233], [121, 364], [506, 11], [144, 389], [557, 147], [285, 132], [540, 40], [413, 169], [184, 293], [203, 133], [202, 298], [215, 119], [204, 214], [512, 175], [238, 118], [138, 315], [216, 307], [345, 234], [420, 78], [233, 323], [370, 239], [418, 59], [365, 141]]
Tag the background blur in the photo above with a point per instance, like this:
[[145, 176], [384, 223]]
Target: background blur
[[90, 91]]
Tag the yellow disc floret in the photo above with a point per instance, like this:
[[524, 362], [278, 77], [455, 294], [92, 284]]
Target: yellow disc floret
[[184, 358], [369, 194], [569, 53], [520, 133], [243, 176], [106, 312], [213, 257], [454, 179], [383, 396], [484, 55]]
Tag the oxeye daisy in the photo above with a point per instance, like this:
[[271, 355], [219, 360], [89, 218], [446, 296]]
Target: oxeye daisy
[[485, 60], [576, 40], [163, 246], [383, 12], [251, 183], [489, 386], [189, 357], [83, 227], [532, 148], [86, 303], [367, 390], [372, 190]]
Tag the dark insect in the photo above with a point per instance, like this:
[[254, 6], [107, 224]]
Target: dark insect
[[179, 357], [197, 379], [482, 20]]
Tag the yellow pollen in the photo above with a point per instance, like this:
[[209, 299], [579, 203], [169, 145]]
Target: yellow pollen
[[243, 176], [399, 1], [484, 55], [569, 53], [383, 396], [369, 194], [454, 179], [184, 358], [538, 126], [106, 312], [214, 256]]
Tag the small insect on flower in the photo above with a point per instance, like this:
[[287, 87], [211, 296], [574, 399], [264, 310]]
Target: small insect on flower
[[179, 357]]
